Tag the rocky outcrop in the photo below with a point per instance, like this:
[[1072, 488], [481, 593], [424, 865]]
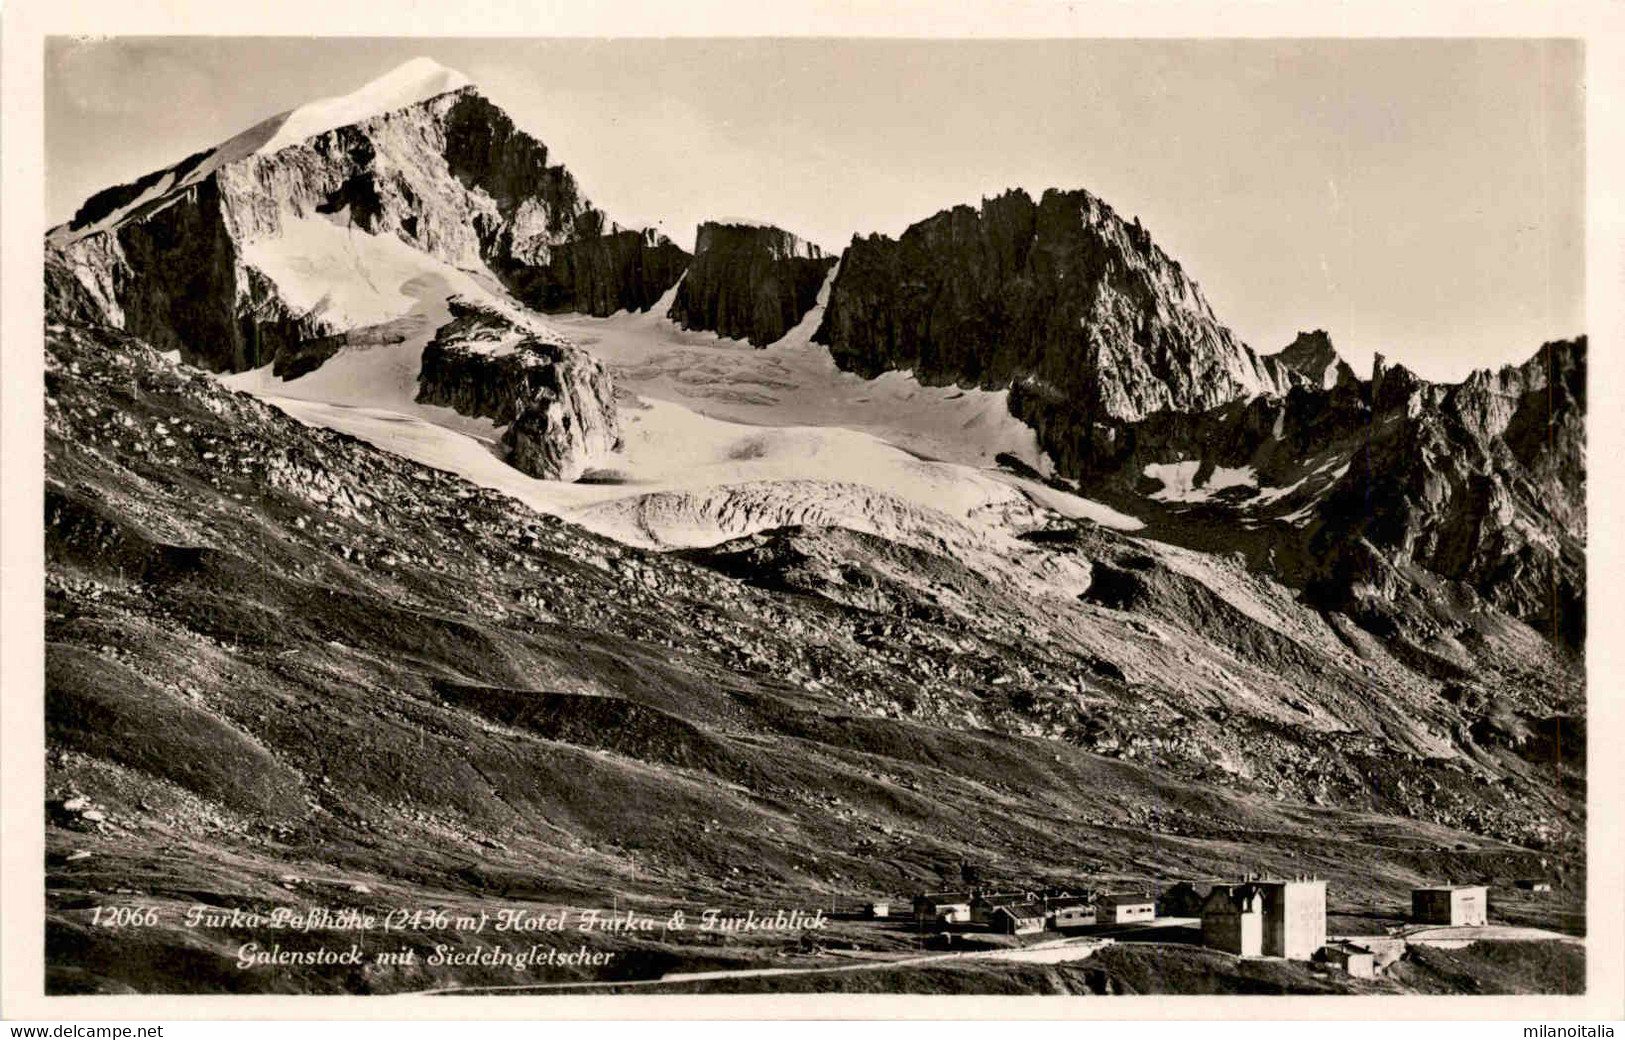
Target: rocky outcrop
[[1404, 503], [551, 248], [557, 401], [1061, 300], [67, 299], [622, 270], [749, 281], [1481, 482], [174, 276], [1312, 356], [188, 257]]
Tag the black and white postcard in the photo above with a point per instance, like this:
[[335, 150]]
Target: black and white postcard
[[583, 516]]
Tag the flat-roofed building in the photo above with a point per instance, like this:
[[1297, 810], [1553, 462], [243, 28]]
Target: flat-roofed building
[[1290, 917], [1127, 908], [1451, 905], [1233, 920], [1078, 915], [1294, 918], [1353, 959]]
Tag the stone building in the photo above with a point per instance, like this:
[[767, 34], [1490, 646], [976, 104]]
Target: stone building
[[1288, 916], [1181, 900], [983, 904], [1233, 920], [943, 907]]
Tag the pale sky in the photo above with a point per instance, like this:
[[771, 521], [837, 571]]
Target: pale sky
[[1420, 198]]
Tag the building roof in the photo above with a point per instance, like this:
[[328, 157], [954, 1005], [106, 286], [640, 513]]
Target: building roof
[[1347, 947], [1237, 899], [1014, 895], [1449, 888], [1125, 899], [1022, 911]]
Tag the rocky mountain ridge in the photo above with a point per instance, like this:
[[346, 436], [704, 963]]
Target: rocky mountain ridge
[[208, 257], [552, 249], [749, 281], [1312, 356], [1062, 301], [1398, 501]]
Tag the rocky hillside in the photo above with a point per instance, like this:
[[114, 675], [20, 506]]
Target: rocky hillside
[[556, 401], [1481, 482], [749, 281], [342, 678], [1072, 307], [241, 252]]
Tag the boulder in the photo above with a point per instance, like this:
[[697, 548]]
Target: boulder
[[557, 401]]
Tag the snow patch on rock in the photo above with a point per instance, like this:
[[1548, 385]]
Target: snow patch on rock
[[344, 275], [1180, 484]]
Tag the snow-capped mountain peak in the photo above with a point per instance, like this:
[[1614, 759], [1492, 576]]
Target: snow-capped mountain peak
[[412, 83], [415, 81]]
